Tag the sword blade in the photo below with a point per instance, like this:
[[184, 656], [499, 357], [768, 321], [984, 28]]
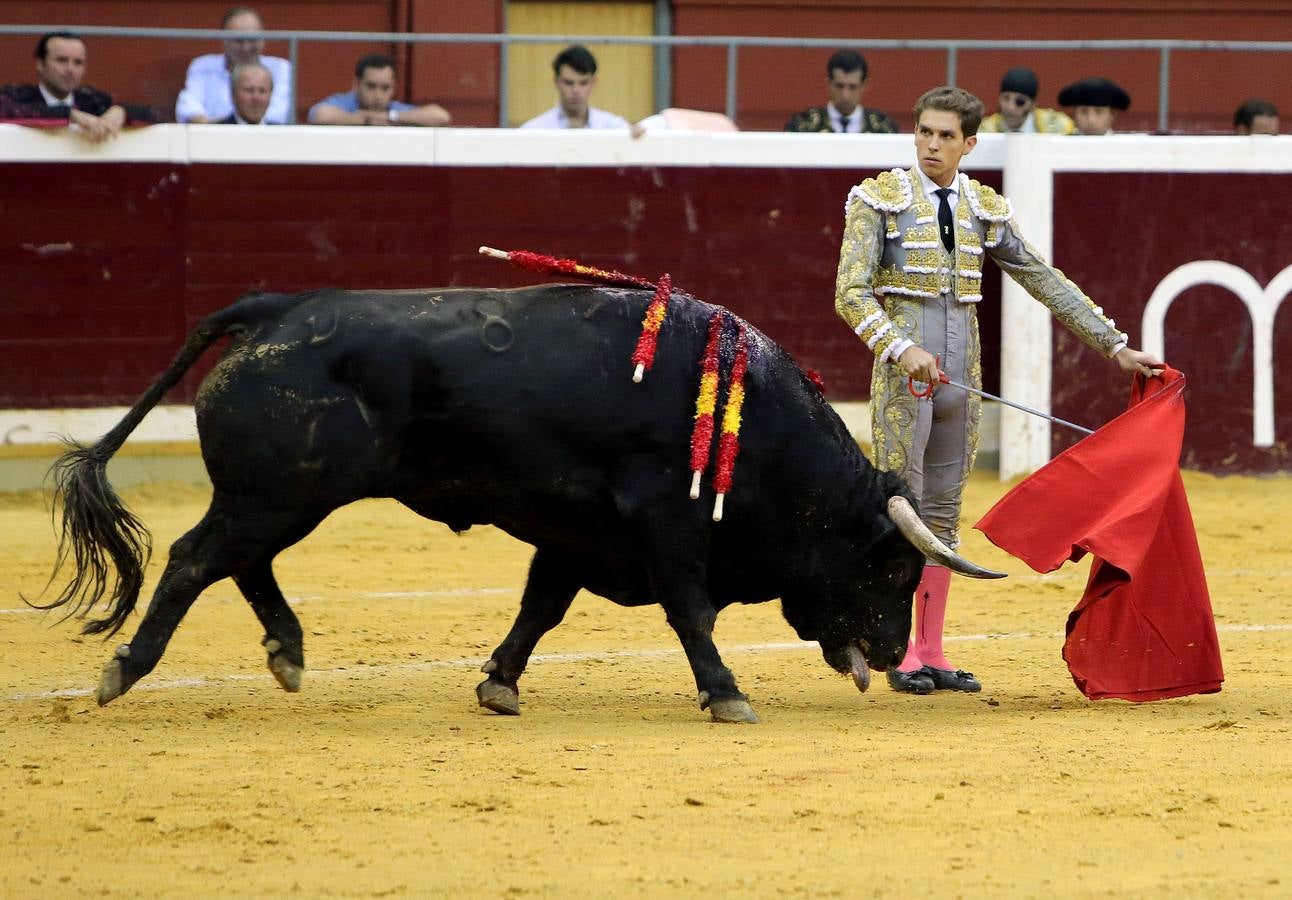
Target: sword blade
[[1018, 406]]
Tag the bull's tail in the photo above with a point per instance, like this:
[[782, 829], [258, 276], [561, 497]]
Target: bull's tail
[[99, 535]]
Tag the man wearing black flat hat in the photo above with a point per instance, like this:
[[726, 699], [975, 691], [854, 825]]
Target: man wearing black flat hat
[[1095, 103], [1019, 113]]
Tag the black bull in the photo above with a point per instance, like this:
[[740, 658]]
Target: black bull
[[516, 409]]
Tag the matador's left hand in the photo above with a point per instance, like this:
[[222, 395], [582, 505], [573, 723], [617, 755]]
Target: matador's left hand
[[1138, 361]]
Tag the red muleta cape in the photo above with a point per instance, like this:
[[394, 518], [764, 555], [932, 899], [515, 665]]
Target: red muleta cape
[[1144, 628]]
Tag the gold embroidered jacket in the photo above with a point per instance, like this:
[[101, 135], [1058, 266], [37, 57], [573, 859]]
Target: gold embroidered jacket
[[817, 119], [1048, 121], [891, 252]]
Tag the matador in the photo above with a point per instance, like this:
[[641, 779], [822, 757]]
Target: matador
[[909, 282]]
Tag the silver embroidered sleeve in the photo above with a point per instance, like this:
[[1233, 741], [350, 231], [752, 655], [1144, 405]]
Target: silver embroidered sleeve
[[1067, 302], [854, 293]]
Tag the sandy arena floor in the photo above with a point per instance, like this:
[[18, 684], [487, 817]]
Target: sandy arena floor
[[383, 777]]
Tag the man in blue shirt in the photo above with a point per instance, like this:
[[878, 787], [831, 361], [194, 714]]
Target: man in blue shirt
[[371, 100]]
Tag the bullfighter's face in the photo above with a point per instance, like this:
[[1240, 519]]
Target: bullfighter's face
[[940, 144], [846, 89]]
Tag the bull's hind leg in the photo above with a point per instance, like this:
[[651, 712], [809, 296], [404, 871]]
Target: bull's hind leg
[[548, 593], [229, 535], [284, 641]]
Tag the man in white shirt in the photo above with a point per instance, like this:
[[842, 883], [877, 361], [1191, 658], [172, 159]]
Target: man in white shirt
[[910, 277], [208, 94], [576, 76]]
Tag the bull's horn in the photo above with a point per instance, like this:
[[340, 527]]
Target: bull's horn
[[913, 527]]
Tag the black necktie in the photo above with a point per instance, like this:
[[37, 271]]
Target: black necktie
[[946, 222]]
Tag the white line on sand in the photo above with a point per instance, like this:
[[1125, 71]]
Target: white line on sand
[[171, 684]]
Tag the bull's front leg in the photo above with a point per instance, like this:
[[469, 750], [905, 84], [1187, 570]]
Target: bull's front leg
[[549, 591], [692, 617], [677, 545]]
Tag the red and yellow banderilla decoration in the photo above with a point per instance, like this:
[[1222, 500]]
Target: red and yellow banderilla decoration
[[648, 341], [729, 442], [706, 400]]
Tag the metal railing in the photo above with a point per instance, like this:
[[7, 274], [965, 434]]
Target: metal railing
[[952, 49]]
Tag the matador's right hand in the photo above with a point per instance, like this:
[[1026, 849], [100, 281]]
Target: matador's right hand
[[919, 364]]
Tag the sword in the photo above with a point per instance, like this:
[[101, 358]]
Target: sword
[[942, 377]]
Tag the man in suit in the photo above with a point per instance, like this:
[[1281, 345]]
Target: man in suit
[[59, 93], [253, 86], [208, 87], [909, 281], [846, 73]]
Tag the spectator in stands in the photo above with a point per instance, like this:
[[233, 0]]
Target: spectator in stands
[[59, 94], [1256, 116], [371, 100], [1019, 113], [576, 76], [846, 73], [208, 94], [1095, 103], [253, 86]]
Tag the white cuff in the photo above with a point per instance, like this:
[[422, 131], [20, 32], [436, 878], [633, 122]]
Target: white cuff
[[896, 349]]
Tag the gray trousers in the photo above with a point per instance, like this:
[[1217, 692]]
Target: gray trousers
[[931, 442]]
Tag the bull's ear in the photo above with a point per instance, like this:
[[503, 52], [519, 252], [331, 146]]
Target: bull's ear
[[868, 524]]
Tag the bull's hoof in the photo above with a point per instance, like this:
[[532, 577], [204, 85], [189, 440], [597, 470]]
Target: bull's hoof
[[499, 697], [732, 710], [112, 683], [285, 672]]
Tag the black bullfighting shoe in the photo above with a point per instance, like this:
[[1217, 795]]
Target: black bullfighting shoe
[[910, 682], [951, 679]]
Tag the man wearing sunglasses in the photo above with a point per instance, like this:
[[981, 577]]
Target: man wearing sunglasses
[[1019, 113]]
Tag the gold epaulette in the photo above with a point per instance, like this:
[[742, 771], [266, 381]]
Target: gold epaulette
[[986, 203], [887, 192]]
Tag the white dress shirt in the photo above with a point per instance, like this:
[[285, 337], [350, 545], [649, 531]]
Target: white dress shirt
[[841, 124], [931, 190], [207, 91], [556, 118], [51, 101]]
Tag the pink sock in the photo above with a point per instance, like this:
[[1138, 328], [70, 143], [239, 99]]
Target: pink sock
[[930, 616], [911, 661]]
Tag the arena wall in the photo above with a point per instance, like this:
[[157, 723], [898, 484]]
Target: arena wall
[[111, 254]]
